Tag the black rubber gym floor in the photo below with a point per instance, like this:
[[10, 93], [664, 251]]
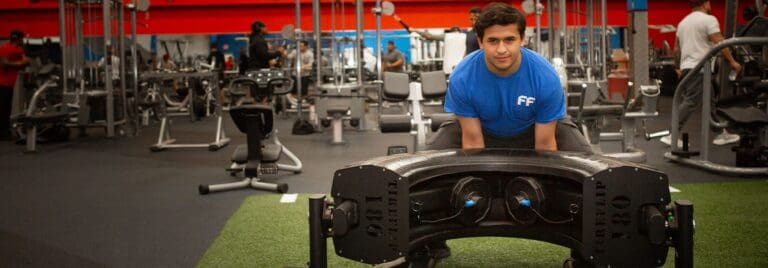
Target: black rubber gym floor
[[94, 202]]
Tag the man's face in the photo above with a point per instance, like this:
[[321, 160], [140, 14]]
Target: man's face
[[303, 47], [501, 45], [390, 46], [707, 7], [473, 18]]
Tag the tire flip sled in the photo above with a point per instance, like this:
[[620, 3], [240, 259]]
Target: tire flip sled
[[609, 212]]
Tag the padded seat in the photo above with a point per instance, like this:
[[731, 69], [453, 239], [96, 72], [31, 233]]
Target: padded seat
[[748, 115], [396, 86], [270, 153], [149, 104], [597, 110], [337, 109], [44, 118], [433, 84]]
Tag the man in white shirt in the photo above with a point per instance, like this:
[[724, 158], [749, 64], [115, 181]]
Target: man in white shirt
[[115, 64], [307, 60], [697, 33]]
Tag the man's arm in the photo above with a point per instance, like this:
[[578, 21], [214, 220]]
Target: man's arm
[[716, 38], [23, 62], [399, 62], [432, 37], [545, 136], [471, 133]]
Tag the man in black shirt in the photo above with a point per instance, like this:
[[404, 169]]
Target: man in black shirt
[[217, 57], [472, 43], [258, 52]]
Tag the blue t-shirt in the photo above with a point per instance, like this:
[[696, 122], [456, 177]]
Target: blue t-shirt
[[506, 106]]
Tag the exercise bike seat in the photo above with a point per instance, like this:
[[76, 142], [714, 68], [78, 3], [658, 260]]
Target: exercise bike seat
[[270, 153]]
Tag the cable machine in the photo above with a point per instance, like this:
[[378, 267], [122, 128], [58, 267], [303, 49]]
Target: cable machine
[[96, 90]]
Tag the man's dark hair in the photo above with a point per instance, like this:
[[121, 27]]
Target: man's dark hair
[[475, 10], [390, 42], [16, 35], [304, 42], [257, 26], [499, 14], [696, 3]]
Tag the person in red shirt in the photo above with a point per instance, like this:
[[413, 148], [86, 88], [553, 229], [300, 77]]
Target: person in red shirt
[[230, 63], [12, 60]]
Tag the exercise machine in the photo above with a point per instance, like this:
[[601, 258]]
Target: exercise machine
[[594, 108], [259, 156], [741, 115], [343, 98], [37, 109], [94, 91], [164, 139], [609, 212], [433, 85]]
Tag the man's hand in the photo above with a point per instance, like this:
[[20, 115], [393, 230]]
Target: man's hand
[[735, 66]]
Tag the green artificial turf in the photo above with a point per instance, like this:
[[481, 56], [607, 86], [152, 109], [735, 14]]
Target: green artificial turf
[[731, 231]]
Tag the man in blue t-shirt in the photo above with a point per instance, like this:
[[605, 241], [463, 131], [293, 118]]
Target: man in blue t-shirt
[[504, 95]]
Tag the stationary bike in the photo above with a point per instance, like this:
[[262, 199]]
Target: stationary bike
[[263, 149]]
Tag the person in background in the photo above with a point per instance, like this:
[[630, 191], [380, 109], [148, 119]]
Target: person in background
[[243, 64], [307, 59], [393, 61], [114, 63], [230, 63], [471, 41], [216, 57], [279, 57], [258, 50], [166, 64], [12, 60], [697, 33]]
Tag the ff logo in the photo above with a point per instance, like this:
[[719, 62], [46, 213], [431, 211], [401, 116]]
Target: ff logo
[[525, 99]]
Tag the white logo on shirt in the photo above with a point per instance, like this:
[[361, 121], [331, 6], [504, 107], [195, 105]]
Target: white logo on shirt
[[525, 99]]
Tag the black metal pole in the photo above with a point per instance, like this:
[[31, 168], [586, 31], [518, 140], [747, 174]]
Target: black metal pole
[[317, 245], [684, 247]]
